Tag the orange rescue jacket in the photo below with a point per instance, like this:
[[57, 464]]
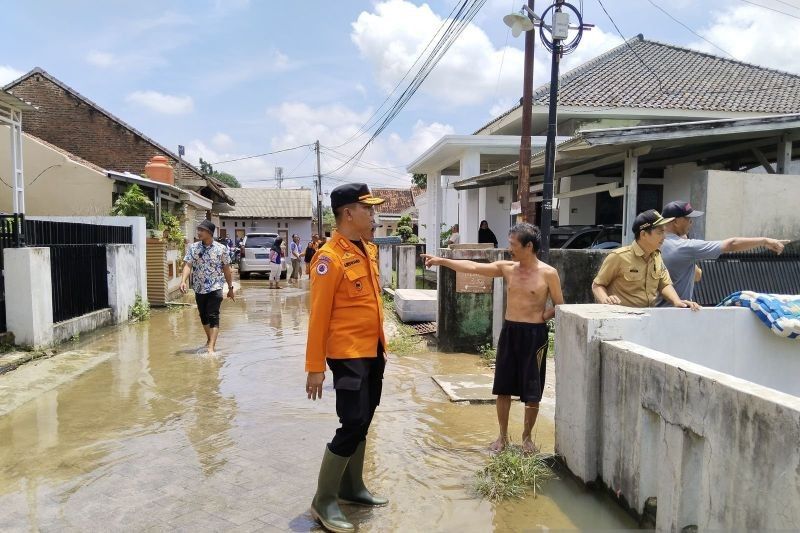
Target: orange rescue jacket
[[346, 306]]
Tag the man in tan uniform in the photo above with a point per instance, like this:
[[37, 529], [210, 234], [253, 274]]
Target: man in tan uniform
[[635, 275]]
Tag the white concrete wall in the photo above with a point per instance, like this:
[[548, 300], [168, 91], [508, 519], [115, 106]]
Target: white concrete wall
[[139, 240], [54, 183], [497, 213], [580, 210], [736, 205], [122, 265], [717, 451], [678, 182], [300, 226], [29, 296]]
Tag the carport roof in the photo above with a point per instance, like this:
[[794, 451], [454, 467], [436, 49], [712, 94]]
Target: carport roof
[[737, 143]]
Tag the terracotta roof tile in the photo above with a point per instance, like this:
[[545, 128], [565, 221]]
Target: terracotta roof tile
[[397, 200]]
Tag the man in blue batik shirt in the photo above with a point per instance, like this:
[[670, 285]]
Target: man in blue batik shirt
[[209, 264]]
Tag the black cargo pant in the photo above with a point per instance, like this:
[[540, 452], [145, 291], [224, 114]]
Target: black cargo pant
[[358, 384]]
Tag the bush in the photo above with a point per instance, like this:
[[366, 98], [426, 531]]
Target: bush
[[172, 226], [134, 203], [140, 310], [511, 474]]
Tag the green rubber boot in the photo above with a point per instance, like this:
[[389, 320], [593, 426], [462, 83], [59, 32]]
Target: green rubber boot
[[325, 507], [352, 489]]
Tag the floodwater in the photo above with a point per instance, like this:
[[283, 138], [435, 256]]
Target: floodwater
[[159, 437]]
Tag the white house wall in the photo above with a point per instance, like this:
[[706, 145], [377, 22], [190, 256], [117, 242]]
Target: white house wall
[[735, 200], [580, 210], [300, 226]]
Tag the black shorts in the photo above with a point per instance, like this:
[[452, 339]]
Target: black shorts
[[208, 305], [521, 361]]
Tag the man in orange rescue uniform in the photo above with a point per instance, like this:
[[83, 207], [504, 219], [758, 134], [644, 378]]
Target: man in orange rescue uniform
[[346, 329]]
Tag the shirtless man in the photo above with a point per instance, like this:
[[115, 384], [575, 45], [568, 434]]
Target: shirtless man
[[522, 349]]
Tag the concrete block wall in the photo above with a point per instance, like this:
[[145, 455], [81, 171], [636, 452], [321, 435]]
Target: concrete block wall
[[715, 450]]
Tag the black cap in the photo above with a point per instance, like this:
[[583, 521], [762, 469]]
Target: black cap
[[648, 220], [351, 193], [208, 226], [680, 209]]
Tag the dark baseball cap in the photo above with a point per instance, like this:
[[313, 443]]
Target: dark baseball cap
[[648, 220], [208, 226], [680, 209], [351, 193]]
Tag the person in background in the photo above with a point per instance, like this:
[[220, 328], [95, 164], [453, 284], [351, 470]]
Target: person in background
[[681, 254], [275, 262], [311, 249], [455, 237], [296, 254], [209, 264], [485, 235]]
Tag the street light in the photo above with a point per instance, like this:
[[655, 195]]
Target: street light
[[559, 31]]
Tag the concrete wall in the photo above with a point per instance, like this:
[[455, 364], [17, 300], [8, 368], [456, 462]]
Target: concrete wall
[[269, 225], [29, 296], [139, 240], [577, 269], [580, 210], [122, 264], [734, 205], [54, 183], [715, 450], [466, 321]]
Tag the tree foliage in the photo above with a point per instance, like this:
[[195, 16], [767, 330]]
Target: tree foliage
[[420, 180], [328, 217], [405, 230], [226, 178], [134, 203]]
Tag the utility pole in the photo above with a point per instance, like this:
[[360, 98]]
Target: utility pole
[[181, 152], [279, 176], [320, 227], [525, 139]]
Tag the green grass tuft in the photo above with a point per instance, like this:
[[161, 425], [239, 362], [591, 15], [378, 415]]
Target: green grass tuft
[[512, 474]]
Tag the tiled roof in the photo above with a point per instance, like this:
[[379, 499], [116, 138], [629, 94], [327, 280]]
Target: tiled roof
[[269, 203], [397, 201], [681, 79]]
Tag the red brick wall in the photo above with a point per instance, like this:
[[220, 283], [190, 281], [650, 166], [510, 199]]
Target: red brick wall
[[71, 124]]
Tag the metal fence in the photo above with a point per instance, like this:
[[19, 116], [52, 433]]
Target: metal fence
[[78, 266]]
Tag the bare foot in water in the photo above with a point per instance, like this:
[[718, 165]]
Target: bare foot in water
[[528, 448], [499, 445]]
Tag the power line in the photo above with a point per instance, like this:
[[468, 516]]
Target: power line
[[772, 9], [464, 16], [690, 29], [613, 22], [370, 165], [784, 2], [404, 178], [261, 155]]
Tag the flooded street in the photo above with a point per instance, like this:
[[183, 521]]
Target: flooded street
[[160, 437]]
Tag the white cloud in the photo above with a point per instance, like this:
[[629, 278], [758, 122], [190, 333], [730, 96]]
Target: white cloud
[[162, 103], [9, 74], [223, 141], [383, 163], [397, 31], [239, 71], [754, 35], [101, 59]]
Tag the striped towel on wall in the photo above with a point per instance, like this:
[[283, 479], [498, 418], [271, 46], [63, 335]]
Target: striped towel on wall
[[780, 313]]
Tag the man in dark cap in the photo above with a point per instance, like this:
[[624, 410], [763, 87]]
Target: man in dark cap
[[345, 330], [681, 254], [207, 262], [635, 275]]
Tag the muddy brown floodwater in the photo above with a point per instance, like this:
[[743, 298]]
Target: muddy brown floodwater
[[159, 437]]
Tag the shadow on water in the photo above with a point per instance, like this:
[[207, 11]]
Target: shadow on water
[[161, 434]]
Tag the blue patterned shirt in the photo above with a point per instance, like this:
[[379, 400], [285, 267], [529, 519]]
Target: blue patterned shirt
[[207, 262]]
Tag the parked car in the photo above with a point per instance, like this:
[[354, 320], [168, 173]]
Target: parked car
[[254, 255], [582, 237]]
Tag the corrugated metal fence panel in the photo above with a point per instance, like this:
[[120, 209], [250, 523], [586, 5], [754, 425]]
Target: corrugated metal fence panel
[[757, 270]]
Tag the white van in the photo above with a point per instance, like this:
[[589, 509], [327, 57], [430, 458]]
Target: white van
[[254, 255]]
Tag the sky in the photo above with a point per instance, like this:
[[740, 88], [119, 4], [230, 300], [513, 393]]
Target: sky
[[234, 78]]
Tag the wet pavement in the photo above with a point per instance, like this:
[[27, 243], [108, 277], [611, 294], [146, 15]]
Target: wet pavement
[[159, 437]]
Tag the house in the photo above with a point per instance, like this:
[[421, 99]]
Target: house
[[398, 202], [613, 90], [105, 140], [281, 211]]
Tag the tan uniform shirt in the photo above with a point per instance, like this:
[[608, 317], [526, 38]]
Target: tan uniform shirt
[[637, 282]]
